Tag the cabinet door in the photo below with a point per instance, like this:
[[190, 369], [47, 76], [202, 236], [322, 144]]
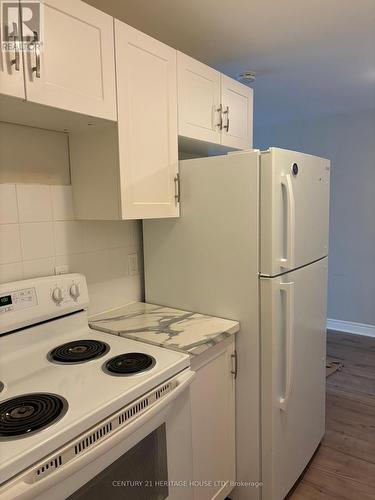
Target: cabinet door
[[237, 101], [147, 124], [74, 67], [213, 423], [11, 65], [198, 100]]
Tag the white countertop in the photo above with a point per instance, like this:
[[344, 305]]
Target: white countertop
[[175, 329]]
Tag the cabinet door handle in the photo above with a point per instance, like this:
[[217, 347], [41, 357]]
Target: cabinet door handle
[[218, 109], [226, 112], [16, 59], [36, 68], [234, 364], [177, 187]]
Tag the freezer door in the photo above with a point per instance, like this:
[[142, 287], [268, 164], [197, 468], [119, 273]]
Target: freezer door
[[294, 201], [293, 346]]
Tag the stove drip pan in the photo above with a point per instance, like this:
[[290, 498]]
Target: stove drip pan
[[129, 364], [78, 351], [29, 413]]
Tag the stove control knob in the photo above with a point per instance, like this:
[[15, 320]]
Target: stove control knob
[[74, 291], [57, 295]]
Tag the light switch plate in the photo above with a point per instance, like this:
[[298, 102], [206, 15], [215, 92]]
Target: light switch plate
[[133, 264]]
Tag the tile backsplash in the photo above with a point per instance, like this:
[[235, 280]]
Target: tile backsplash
[[38, 232]]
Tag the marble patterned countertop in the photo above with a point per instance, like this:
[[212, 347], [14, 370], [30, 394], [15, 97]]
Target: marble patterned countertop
[[182, 331]]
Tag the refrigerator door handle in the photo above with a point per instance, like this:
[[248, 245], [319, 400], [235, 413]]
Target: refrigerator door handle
[[288, 365], [287, 262]]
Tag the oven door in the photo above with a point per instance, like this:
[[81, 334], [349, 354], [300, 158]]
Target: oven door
[[150, 458]]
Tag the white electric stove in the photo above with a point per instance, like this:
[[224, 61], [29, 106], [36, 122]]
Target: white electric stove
[[68, 392]]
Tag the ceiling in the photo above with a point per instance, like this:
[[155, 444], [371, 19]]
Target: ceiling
[[312, 58]]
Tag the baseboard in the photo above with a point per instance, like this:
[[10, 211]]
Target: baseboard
[[350, 327]]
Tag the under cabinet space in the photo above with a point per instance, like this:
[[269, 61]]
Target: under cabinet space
[[95, 173], [21, 112]]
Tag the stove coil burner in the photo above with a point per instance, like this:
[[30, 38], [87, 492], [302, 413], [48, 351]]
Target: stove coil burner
[[26, 414], [78, 351], [129, 363]]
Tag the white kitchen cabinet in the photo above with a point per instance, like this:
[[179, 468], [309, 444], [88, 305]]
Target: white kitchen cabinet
[[130, 170], [11, 64], [237, 102], [147, 107], [213, 421], [212, 107], [199, 108], [74, 69]]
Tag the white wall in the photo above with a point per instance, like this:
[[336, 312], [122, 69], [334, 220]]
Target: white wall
[[32, 155], [38, 230], [349, 141]]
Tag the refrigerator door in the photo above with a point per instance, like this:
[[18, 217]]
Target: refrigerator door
[[293, 343], [294, 210]]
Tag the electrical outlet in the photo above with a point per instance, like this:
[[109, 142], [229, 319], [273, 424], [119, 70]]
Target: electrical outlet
[[133, 264], [62, 269]]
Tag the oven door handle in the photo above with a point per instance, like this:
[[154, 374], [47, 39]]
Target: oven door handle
[[20, 488]]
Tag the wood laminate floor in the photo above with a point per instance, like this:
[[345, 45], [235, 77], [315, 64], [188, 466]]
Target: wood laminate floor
[[344, 465]]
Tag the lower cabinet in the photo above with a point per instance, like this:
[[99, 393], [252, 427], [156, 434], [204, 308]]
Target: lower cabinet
[[213, 421]]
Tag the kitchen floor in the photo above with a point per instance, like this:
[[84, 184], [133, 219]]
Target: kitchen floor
[[344, 465]]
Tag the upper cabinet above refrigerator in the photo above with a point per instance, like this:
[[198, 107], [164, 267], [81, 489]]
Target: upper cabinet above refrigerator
[[237, 110], [294, 205], [199, 108], [212, 108]]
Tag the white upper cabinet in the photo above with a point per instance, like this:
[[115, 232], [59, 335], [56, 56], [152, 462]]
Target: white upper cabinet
[[11, 65], [129, 170], [199, 108], [74, 68], [212, 107], [147, 124], [237, 102]]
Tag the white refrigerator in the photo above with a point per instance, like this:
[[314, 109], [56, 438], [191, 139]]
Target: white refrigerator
[[251, 245]]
